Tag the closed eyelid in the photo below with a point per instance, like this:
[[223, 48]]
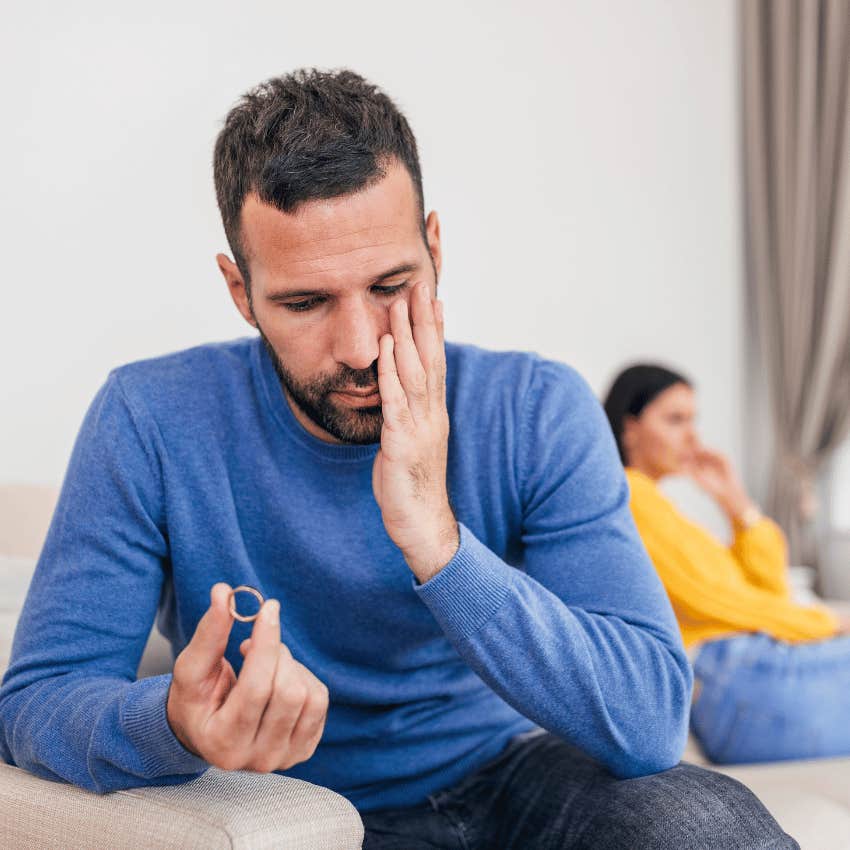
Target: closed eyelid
[[381, 289]]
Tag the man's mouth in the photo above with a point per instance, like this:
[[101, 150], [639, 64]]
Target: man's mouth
[[369, 391], [360, 398]]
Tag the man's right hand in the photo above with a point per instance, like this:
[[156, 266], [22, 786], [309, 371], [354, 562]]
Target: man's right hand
[[270, 718]]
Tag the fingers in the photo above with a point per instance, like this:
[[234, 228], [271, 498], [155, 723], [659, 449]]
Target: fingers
[[429, 342], [394, 407], [308, 730], [202, 655], [270, 717], [247, 701], [413, 363], [294, 719], [411, 372], [271, 742]]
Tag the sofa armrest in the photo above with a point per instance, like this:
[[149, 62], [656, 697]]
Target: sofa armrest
[[219, 809]]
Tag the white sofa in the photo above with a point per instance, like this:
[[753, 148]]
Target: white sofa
[[811, 800]]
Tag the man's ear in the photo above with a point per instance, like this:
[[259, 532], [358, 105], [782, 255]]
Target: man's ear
[[236, 285], [432, 230]]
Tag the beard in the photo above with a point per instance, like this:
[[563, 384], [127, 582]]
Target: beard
[[360, 426]]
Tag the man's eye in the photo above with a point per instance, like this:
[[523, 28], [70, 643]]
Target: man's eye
[[389, 290], [301, 306]]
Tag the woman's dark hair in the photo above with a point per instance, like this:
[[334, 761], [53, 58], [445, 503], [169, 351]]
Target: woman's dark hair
[[633, 389], [304, 136]]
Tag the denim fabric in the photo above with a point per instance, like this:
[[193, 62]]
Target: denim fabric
[[541, 793], [762, 699]]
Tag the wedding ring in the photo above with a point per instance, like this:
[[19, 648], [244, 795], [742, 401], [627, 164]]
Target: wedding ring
[[247, 589]]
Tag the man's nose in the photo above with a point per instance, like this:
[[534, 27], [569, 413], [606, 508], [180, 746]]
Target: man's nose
[[359, 326]]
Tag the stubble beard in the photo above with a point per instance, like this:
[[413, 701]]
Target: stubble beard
[[359, 426]]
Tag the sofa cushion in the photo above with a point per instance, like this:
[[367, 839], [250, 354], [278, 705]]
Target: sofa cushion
[[219, 809]]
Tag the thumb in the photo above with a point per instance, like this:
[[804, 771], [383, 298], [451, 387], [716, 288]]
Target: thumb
[[205, 650]]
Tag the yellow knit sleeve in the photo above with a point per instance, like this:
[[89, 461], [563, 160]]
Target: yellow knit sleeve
[[707, 588], [762, 552]]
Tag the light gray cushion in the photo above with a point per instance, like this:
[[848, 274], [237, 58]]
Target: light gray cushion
[[220, 809]]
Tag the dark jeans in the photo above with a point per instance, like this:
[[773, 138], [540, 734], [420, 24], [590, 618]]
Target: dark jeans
[[541, 793]]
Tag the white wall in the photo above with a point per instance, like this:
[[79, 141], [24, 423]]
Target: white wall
[[583, 157]]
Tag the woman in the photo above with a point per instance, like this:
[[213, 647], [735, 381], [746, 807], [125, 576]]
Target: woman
[[772, 677]]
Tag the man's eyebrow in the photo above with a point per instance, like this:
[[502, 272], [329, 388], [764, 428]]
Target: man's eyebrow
[[283, 294]]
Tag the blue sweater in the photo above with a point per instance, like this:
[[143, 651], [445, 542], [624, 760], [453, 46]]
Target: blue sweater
[[191, 468]]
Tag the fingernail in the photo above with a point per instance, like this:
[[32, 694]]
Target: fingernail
[[223, 593], [272, 610]]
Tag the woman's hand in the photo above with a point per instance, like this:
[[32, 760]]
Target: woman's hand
[[714, 473]]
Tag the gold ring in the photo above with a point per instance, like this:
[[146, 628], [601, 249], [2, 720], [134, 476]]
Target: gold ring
[[244, 587]]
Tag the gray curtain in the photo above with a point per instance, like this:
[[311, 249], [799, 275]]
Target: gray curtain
[[796, 104]]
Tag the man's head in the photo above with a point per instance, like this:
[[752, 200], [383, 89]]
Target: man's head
[[318, 182]]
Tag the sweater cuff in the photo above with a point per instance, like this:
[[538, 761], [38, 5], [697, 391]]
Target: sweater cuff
[[469, 589], [146, 724]]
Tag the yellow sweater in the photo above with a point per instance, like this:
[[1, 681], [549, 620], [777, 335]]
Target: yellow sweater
[[720, 590]]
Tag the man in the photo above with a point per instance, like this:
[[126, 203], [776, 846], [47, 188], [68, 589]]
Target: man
[[464, 634]]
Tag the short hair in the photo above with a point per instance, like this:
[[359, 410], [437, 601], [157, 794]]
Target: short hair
[[632, 390], [308, 135]]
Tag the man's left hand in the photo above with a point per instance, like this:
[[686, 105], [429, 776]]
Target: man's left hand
[[409, 474]]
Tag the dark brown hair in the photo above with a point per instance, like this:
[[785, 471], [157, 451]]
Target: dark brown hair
[[307, 135]]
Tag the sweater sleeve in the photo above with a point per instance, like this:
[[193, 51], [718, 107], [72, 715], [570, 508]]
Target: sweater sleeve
[[70, 706], [581, 638], [707, 590], [762, 554]]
